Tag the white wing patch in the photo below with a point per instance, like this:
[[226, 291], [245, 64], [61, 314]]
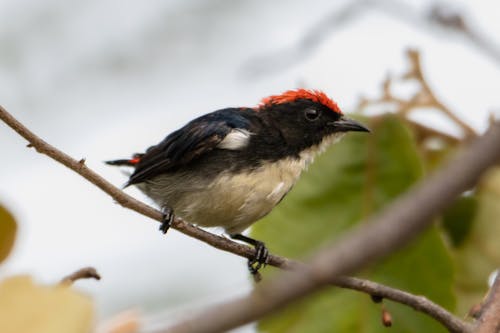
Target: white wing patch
[[235, 140]]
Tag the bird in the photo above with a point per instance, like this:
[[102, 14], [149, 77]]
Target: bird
[[231, 167]]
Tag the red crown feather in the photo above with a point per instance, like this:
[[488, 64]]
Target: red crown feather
[[293, 95]]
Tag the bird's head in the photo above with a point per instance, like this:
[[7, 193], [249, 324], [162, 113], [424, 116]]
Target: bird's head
[[306, 118]]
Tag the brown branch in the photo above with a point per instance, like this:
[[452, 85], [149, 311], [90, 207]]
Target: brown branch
[[380, 291], [372, 288], [424, 97], [118, 195], [383, 234], [283, 58], [423, 132], [419, 303], [449, 18], [83, 273], [489, 318], [438, 16], [428, 95]]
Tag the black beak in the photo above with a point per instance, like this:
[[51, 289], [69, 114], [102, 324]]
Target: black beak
[[348, 125]]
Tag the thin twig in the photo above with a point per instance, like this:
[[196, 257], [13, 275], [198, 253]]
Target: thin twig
[[380, 291], [306, 44], [438, 17], [390, 230], [419, 303], [449, 18], [424, 97], [372, 288], [118, 195], [423, 132], [489, 319], [83, 273], [430, 98]]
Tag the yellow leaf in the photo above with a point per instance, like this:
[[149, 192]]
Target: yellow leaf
[[29, 308], [8, 228]]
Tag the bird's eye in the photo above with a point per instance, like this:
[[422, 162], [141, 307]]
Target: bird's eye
[[311, 114]]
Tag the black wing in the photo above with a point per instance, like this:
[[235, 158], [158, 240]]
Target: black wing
[[185, 145]]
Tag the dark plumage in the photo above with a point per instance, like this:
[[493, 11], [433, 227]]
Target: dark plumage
[[231, 167]]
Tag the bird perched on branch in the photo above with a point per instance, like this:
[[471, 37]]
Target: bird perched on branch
[[231, 167]]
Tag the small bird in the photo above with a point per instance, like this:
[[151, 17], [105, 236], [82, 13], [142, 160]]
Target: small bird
[[231, 167]]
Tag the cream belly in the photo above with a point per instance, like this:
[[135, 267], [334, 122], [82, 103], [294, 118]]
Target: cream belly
[[231, 201], [236, 201]]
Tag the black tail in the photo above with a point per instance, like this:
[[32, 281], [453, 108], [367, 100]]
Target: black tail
[[136, 158], [127, 162]]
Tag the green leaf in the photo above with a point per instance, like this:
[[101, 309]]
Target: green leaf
[[29, 308], [459, 218], [479, 254], [351, 181], [8, 229]]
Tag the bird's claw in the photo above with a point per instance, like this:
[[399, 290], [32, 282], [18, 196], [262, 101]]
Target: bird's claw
[[260, 259], [167, 219]]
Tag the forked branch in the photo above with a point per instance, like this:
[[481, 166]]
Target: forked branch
[[390, 230], [372, 288]]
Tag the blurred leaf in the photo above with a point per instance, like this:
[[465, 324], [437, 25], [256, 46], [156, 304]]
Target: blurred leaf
[[8, 228], [28, 308], [459, 218], [479, 254], [436, 152], [351, 181]]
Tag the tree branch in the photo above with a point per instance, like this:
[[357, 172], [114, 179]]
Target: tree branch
[[424, 97], [372, 288], [417, 302], [489, 319], [83, 273], [439, 16], [383, 234], [121, 197], [449, 18]]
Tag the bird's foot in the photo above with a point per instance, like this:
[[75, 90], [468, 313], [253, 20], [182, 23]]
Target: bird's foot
[[167, 219], [261, 257]]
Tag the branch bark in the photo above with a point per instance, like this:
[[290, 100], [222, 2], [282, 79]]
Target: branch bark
[[417, 302], [424, 97], [82, 273], [489, 319], [437, 17], [121, 197], [383, 234]]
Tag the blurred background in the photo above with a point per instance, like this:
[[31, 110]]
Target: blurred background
[[104, 79]]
